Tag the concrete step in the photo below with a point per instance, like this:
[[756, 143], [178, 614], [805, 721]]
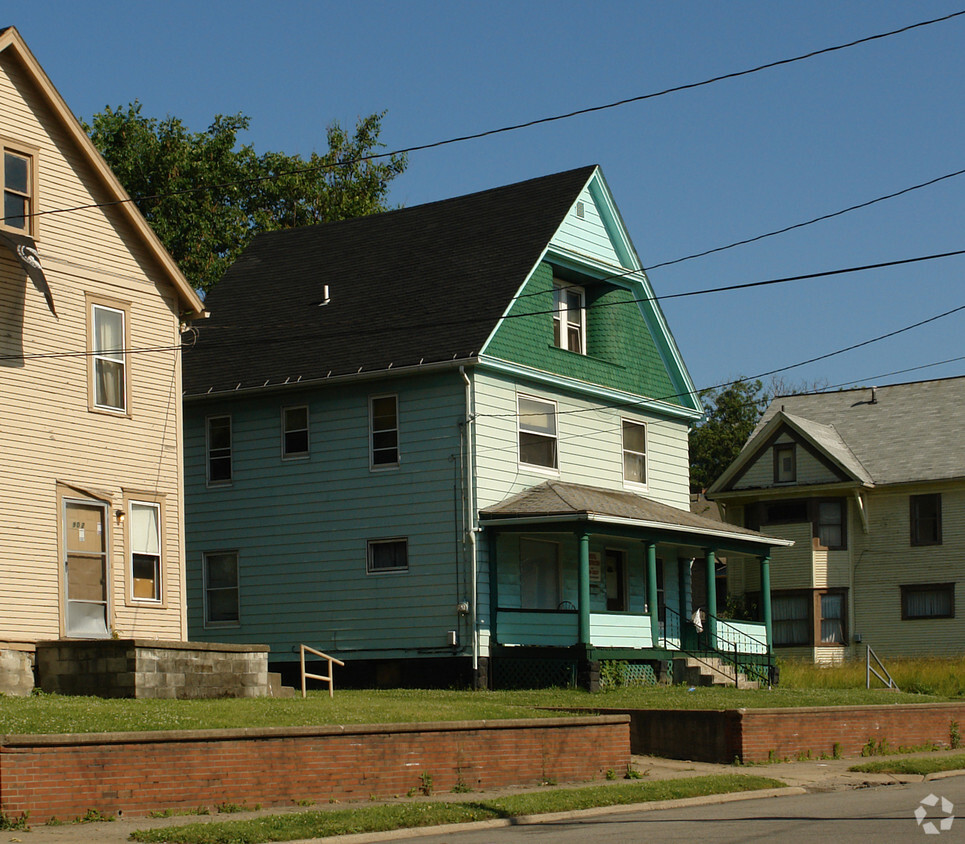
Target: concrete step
[[708, 671], [276, 689]]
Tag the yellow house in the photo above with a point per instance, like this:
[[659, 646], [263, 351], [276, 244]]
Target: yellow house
[[91, 312], [870, 485]]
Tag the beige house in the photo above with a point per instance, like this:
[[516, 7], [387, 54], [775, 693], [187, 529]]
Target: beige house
[[91, 312], [870, 484]]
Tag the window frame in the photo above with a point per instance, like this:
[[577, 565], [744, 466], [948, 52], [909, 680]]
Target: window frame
[[624, 422], [159, 596], [285, 431], [781, 451], [207, 588], [562, 316], [378, 466], [32, 155], [521, 431], [916, 520], [371, 568], [813, 621], [95, 356], [208, 457], [908, 589]]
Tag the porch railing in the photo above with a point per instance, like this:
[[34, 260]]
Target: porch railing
[[745, 653]]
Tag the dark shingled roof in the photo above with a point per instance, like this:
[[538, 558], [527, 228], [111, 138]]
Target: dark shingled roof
[[556, 498], [423, 284]]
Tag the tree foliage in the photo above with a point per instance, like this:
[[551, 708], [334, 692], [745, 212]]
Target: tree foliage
[[732, 413], [162, 164]]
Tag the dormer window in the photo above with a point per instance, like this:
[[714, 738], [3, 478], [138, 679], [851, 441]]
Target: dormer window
[[569, 317], [785, 463]]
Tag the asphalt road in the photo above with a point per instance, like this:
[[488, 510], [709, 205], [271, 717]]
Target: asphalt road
[[884, 813]]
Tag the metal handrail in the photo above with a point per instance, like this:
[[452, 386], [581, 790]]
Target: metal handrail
[[329, 679], [869, 670]]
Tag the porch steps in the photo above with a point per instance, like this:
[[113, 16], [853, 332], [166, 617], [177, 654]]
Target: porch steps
[[708, 671], [276, 689]]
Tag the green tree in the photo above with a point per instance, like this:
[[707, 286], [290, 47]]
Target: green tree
[[162, 164], [732, 413]]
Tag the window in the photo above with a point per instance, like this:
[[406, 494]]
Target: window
[[829, 526], [791, 620], [387, 555], [539, 575], [537, 432], [294, 432], [785, 463], [19, 189], [219, 449], [809, 617], [634, 453], [616, 579], [383, 432], [145, 539], [928, 600], [108, 342], [926, 519], [569, 317], [221, 592]]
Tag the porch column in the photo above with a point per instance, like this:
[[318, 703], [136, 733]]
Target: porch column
[[652, 593], [712, 596], [766, 599], [584, 585]]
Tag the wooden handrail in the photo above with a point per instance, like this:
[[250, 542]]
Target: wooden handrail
[[329, 679]]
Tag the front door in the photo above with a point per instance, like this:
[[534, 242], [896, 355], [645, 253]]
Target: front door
[[85, 569]]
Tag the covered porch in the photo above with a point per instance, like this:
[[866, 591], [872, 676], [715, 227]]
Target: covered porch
[[581, 576]]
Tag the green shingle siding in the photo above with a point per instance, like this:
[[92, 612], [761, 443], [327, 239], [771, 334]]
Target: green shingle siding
[[621, 353]]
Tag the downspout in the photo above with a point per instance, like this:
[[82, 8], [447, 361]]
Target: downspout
[[471, 524]]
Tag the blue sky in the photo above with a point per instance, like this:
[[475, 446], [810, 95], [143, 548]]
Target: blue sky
[[690, 171]]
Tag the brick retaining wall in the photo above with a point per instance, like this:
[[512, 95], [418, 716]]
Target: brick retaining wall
[[65, 775], [757, 735]]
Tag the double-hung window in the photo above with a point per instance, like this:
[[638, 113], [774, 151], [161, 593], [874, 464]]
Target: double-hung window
[[219, 449], [109, 367], [785, 463], [383, 432], [222, 602], [145, 541], [19, 189], [294, 432], [537, 432], [634, 453], [569, 317], [926, 519]]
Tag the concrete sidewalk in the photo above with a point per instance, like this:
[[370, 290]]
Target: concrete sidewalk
[[810, 775]]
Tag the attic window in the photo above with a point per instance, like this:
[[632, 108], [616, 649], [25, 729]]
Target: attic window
[[785, 463], [19, 189], [569, 317]]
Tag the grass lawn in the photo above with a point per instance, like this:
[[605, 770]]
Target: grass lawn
[[922, 765], [62, 714], [318, 824]]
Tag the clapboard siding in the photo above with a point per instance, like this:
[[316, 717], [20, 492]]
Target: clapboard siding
[[50, 436], [301, 526], [810, 470]]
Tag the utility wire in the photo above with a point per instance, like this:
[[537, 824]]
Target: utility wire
[[517, 126]]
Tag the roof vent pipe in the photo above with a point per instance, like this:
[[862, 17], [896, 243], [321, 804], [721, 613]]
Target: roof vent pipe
[[874, 395]]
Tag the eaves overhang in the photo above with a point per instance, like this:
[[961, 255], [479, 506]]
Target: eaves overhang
[[796, 491], [730, 537]]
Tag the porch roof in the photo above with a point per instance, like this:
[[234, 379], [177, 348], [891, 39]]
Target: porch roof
[[558, 501]]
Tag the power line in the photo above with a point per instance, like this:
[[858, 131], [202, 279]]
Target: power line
[[518, 126]]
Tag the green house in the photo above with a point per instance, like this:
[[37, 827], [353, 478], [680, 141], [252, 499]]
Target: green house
[[449, 444]]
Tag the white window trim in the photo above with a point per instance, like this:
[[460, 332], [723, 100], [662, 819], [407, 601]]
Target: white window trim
[[208, 623], [537, 467], [646, 458], [160, 557], [112, 356], [297, 455], [382, 467], [370, 569], [207, 451], [562, 314]]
